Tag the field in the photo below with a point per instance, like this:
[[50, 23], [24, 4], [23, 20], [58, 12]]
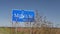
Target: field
[[43, 30]]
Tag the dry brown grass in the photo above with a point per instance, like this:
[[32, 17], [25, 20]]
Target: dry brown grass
[[42, 30]]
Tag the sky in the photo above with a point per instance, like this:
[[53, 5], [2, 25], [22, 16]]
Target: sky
[[48, 8]]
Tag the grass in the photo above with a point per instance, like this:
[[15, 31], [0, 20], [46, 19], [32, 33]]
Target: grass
[[3, 31], [7, 30]]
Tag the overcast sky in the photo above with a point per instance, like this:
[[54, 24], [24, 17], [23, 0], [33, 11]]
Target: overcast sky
[[48, 8]]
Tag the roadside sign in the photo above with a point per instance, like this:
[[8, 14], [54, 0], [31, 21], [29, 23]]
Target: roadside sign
[[23, 15]]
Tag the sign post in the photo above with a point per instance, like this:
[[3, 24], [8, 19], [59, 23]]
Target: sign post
[[22, 16], [16, 28]]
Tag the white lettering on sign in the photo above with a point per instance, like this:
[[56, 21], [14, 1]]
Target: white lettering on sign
[[19, 15]]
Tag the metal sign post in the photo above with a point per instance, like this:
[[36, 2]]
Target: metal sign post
[[16, 27], [30, 28]]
